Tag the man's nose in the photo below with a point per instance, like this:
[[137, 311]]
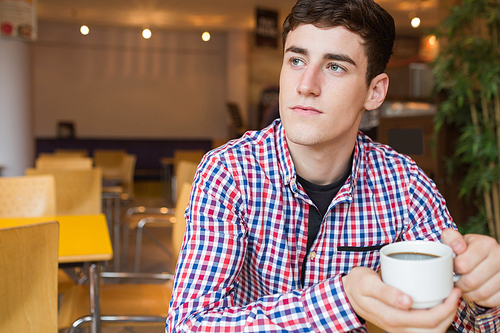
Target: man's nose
[[309, 83]]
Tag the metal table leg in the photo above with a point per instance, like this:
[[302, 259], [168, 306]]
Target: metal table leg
[[111, 207], [116, 233], [95, 297], [166, 179]]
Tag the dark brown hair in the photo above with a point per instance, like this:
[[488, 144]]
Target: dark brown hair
[[363, 17]]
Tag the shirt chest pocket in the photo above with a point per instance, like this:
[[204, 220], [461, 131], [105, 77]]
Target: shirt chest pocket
[[347, 257]]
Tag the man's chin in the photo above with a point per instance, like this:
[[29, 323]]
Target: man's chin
[[302, 138]]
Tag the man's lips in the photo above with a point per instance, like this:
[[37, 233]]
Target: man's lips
[[306, 110]]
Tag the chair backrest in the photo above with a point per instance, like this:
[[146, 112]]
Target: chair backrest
[[180, 222], [78, 192], [117, 165], [27, 196], [193, 155], [72, 152], [128, 174], [185, 173], [28, 282], [111, 162], [63, 162]]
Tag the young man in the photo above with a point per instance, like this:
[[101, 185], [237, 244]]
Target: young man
[[285, 225]]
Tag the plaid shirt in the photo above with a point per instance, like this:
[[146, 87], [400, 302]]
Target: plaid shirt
[[246, 235]]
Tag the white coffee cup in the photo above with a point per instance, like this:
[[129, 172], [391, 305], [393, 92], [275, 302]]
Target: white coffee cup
[[428, 279]]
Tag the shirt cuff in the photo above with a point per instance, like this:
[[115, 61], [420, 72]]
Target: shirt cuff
[[328, 308], [488, 319]]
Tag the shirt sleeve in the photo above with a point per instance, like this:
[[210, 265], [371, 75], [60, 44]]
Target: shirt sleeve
[[473, 318], [429, 217], [213, 252]]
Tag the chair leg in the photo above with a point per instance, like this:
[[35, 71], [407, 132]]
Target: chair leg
[[125, 245], [116, 319], [116, 234], [155, 240], [138, 244], [79, 322]]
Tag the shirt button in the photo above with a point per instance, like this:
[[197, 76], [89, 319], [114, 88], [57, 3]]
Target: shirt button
[[312, 255], [292, 181]]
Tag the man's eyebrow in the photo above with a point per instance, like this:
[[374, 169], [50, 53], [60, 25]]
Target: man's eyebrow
[[327, 56], [296, 49], [339, 57]]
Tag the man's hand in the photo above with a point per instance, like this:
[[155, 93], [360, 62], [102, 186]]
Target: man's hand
[[389, 308], [478, 261]]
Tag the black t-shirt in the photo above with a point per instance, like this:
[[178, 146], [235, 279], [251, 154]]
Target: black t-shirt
[[322, 196]]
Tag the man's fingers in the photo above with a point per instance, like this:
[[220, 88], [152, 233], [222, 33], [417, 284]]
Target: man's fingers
[[369, 284], [480, 269], [389, 308], [436, 319], [391, 296], [475, 270], [454, 239], [487, 295]]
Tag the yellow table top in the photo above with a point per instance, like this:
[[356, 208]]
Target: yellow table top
[[81, 237]]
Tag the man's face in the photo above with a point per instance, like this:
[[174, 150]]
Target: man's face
[[322, 86]]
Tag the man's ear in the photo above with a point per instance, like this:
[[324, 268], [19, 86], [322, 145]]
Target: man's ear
[[377, 91]]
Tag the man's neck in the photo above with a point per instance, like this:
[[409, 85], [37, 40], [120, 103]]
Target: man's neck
[[322, 165]]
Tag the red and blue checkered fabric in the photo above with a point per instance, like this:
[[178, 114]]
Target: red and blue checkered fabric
[[240, 264]]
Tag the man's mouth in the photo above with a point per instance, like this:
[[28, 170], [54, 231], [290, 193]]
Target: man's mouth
[[306, 110]]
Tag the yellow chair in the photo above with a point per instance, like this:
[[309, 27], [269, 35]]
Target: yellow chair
[[128, 175], [118, 168], [72, 152], [137, 303], [62, 162], [193, 155], [28, 283], [170, 174], [110, 161], [27, 196], [184, 171], [78, 192], [179, 226], [31, 196], [138, 217], [142, 217]]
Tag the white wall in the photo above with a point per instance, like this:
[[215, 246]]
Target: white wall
[[16, 139], [113, 83], [237, 69]]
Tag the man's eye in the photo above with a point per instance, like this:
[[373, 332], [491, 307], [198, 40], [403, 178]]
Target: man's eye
[[335, 68], [295, 61]]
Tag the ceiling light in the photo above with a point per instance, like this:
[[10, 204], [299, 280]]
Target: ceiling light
[[84, 30], [146, 33], [205, 36], [415, 22]]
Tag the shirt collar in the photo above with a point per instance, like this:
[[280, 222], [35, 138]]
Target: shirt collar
[[287, 168], [357, 161]]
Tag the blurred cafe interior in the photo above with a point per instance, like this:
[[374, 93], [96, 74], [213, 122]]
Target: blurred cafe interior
[[132, 89]]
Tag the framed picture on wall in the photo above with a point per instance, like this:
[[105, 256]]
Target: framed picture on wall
[[266, 30], [65, 130]]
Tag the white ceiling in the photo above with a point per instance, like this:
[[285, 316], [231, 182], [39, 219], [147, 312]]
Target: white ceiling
[[204, 14]]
